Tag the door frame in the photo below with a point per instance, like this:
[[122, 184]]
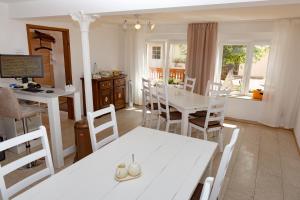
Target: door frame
[[67, 57]]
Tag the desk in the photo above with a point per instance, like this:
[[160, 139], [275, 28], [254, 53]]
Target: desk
[[172, 166], [51, 99], [187, 103]]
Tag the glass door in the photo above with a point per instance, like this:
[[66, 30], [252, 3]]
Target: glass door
[[156, 60]]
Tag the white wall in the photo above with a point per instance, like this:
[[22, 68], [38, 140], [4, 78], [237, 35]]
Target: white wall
[[106, 46]]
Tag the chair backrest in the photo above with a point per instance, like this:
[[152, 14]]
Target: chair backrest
[[225, 160], [213, 88], [12, 166], [9, 106], [216, 110], [163, 99], [206, 188], [147, 93], [96, 130], [189, 84]]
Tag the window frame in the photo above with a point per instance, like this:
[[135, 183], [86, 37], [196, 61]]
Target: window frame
[[248, 64], [155, 51]]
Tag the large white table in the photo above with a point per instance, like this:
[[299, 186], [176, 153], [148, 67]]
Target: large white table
[[172, 166], [187, 103], [51, 99]]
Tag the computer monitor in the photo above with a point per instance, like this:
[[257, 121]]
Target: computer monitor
[[21, 66]]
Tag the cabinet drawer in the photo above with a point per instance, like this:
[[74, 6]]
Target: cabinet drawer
[[106, 98], [105, 84], [119, 82], [119, 97]]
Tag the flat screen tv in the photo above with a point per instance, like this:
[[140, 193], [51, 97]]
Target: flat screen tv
[[21, 66]]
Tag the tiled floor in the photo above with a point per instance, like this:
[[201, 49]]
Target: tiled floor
[[265, 164]]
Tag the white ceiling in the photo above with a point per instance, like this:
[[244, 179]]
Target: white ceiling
[[47, 8], [13, 1], [227, 14], [219, 15]]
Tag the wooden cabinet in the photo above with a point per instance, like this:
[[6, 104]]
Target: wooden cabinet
[[107, 91]]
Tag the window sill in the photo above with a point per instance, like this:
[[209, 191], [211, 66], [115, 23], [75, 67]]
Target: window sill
[[245, 97]]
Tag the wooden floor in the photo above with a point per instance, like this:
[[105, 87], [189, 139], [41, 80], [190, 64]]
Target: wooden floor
[[265, 164]]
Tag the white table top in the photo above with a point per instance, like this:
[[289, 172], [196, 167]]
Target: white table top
[[171, 164], [56, 92], [185, 100]]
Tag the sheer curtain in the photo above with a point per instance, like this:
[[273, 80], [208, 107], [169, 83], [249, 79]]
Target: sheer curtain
[[134, 45], [281, 96], [201, 53]]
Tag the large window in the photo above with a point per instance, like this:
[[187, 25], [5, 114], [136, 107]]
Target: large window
[[244, 66]]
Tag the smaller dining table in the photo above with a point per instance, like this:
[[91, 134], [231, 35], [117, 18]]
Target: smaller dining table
[[185, 102], [172, 166]]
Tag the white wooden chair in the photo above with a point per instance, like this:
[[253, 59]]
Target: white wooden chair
[[189, 84], [148, 103], [213, 89], [207, 188], [94, 131], [213, 121], [6, 193], [173, 117], [220, 176]]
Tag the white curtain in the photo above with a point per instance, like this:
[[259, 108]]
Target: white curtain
[[281, 96], [134, 59]]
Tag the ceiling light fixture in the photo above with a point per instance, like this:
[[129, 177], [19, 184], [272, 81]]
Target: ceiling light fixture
[[125, 25], [151, 26], [137, 25]]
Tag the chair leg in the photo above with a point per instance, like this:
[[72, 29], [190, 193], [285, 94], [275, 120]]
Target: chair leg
[[158, 123], [144, 117], [152, 119], [190, 131], [27, 144], [221, 140], [167, 126], [205, 135], [178, 126]]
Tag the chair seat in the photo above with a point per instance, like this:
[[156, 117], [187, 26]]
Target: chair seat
[[155, 106], [29, 111], [199, 114], [197, 192], [173, 115], [201, 122]]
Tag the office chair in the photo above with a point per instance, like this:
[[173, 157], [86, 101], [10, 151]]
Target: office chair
[[10, 108]]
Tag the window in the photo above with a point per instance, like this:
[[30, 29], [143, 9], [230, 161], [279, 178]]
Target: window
[[156, 51], [244, 66], [177, 56], [258, 71], [166, 60]]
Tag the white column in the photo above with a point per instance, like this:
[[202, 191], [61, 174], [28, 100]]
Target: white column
[[84, 22]]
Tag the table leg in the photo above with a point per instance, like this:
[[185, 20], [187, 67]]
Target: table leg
[[77, 106], [184, 123], [55, 131], [210, 169]]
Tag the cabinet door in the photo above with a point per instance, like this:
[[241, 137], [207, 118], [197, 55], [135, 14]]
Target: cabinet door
[[119, 96], [106, 97]]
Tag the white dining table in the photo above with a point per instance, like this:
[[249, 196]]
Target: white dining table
[[187, 103], [172, 165], [52, 101]]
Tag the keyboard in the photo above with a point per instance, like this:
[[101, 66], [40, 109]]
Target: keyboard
[[32, 90]]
